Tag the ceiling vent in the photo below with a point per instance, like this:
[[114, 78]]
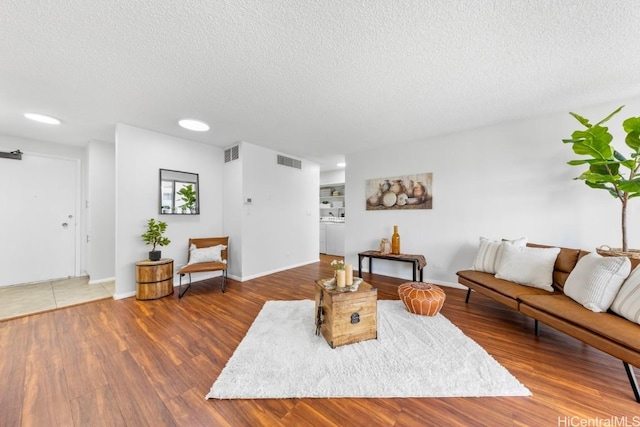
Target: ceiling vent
[[232, 153], [288, 161]]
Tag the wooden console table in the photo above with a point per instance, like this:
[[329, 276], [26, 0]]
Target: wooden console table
[[154, 279], [418, 261]]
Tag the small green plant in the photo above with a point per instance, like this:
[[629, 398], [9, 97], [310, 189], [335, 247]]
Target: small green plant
[[188, 197], [154, 234], [608, 169]]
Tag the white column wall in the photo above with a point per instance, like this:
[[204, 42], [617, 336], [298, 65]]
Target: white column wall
[[140, 154], [232, 213], [100, 207], [280, 226]]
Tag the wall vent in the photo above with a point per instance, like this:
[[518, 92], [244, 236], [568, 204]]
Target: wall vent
[[232, 153], [288, 161]]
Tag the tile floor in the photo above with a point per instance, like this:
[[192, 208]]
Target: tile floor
[[20, 300]]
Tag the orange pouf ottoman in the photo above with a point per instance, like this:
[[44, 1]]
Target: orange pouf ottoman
[[422, 298]]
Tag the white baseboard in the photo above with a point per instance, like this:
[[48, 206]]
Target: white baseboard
[[447, 284], [97, 281], [124, 295], [266, 273]]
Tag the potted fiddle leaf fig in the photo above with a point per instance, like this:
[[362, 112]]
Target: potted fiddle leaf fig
[[154, 236], [188, 198], [608, 169]]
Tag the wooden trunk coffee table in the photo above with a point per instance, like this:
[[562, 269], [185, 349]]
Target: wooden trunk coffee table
[[346, 317]]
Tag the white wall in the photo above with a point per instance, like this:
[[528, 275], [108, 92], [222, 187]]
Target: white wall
[[503, 181], [332, 177], [280, 226], [101, 211], [140, 154]]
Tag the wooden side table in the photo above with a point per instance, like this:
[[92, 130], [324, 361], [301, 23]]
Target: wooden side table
[[154, 279], [418, 261]]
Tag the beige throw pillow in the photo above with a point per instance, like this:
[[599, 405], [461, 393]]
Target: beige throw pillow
[[209, 254], [528, 266], [490, 253], [595, 280], [627, 302]]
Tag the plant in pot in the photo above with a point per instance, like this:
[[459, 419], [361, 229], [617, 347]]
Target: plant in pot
[[188, 198], [608, 169], [154, 236]]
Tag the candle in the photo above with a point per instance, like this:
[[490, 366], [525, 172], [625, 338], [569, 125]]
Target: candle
[[348, 268], [340, 278]]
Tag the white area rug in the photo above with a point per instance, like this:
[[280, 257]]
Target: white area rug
[[414, 356]]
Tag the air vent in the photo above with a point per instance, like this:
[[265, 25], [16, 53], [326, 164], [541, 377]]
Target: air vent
[[232, 153], [288, 161]]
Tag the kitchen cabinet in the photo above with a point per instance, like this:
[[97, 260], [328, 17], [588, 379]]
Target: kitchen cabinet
[[335, 238]]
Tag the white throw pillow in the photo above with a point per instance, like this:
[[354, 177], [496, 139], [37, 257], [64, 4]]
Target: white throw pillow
[[528, 266], [209, 254], [595, 280], [490, 253], [627, 302]]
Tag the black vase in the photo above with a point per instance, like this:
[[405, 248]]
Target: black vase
[[154, 255]]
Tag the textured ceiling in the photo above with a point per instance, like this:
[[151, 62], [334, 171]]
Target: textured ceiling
[[315, 79]]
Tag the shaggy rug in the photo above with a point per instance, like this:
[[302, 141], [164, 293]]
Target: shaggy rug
[[414, 356]]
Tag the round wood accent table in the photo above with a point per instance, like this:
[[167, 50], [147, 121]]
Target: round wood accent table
[[154, 279], [422, 298]]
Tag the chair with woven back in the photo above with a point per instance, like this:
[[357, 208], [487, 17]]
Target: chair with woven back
[[205, 255]]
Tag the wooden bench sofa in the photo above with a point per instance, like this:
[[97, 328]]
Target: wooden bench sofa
[[605, 331]]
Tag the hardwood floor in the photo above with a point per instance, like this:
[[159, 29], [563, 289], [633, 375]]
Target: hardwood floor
[[137, 363]]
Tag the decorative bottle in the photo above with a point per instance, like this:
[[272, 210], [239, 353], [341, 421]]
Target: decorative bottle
[[395, 241]]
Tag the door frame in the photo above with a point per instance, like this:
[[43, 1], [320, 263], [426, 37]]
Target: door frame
[[79, 213]]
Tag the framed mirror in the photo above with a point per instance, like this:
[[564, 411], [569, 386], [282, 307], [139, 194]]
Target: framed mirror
[[179, 193]]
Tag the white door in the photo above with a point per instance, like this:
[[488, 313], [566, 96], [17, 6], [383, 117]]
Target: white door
[[37, 218]]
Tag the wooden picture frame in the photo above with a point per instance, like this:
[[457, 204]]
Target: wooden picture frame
[[413, 191]]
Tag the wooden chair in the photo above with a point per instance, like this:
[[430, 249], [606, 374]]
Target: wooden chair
[[202, 267]]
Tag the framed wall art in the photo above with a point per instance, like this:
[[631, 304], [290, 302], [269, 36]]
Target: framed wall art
[[400, 192]]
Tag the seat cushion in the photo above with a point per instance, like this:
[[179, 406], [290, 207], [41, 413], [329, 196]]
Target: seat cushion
[[608, 325], [202, 267], [504, 287]]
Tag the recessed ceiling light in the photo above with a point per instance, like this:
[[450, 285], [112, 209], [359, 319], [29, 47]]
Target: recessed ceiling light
[[341, 164], [195, 125], [42, 118]]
